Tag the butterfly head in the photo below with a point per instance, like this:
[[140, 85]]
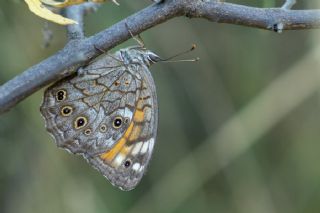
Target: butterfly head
[[139, 55]]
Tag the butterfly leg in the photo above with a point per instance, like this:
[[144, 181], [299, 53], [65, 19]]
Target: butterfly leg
[[100, 50], [137, 38], [158, 1]]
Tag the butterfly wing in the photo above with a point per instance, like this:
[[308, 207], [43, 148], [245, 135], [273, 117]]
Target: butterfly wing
[[108, 113], [125, 164]]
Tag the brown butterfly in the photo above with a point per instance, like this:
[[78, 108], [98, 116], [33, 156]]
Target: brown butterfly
[[108, 113]]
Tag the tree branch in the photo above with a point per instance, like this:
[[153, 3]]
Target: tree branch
[[80, 50]]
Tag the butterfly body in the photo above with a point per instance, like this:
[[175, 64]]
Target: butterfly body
[[108, 113]]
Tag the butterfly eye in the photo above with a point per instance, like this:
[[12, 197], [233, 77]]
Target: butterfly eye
[[61, 95], [127, 163], [80, 122], [153, 57], [66, 111], [117, 122]]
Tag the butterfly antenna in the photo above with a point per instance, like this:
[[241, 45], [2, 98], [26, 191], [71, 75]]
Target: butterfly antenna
[[169, 60]]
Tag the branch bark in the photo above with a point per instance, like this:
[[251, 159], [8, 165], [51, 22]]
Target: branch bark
[[80, 50]]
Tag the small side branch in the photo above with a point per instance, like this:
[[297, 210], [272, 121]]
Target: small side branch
[[80, 50], [288, 4], [77, 13], [264, 18]]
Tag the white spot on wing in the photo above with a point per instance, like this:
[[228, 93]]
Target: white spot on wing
[[151, 144], [127, 113], [141, 168], [136, 148], [136, 166], [144, 148], [119, 159]]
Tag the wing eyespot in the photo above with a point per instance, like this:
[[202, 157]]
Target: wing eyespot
[[88, 132], [66, 111], [126, 120], [80, 122], [117, 122], [127, 163], [103, 128], [61, 95]]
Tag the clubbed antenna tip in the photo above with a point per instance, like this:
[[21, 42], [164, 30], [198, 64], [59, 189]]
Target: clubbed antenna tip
[[193, 47]]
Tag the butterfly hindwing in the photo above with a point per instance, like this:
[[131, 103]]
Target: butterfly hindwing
[[125, 164]]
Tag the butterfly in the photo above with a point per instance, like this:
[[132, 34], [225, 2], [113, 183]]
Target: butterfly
[[108, 113]]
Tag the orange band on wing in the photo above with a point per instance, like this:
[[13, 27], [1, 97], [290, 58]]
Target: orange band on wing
[[114, 151], [138, 116], [135, 133], [110, 154], [131, 132]]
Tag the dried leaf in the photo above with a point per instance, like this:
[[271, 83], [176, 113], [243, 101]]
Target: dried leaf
[[37, 8], [60, 4], [67, 3]]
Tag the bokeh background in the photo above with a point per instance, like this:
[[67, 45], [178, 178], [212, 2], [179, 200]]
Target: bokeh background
[[239, 130]]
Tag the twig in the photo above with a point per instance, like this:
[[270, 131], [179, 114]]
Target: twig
[[47, 34], [77, 13], [78, 52], [288, 4]]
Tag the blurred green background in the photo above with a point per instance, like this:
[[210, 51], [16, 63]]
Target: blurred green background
[[239, 130]]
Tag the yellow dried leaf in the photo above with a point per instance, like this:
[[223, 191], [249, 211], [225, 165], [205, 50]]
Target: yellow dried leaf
[[60, 4], [67, 3], [37, 8]]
